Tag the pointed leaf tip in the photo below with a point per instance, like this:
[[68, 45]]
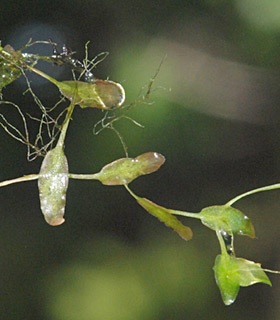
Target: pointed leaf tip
[[165, 216], [231, 273]]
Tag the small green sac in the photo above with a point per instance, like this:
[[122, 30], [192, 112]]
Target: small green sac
[[125, 170], [53, 184], [228, 219], [231, 273]]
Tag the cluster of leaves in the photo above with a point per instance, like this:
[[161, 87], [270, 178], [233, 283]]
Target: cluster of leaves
[[230, 271]]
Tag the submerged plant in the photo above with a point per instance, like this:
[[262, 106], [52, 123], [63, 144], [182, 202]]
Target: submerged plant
[[230, 271]]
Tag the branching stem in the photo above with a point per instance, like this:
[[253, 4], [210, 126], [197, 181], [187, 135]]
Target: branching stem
[[248, 193]]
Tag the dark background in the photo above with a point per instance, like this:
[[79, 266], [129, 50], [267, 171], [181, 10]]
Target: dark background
[[216, 120]]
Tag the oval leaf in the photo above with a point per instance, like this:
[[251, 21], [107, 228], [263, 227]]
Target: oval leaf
[[53, 184], [226, 279], [102, 94], [125, 170], [228, 219]]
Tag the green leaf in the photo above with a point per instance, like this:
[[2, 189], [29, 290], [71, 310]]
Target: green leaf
[[125, 170], [228, 219], [102, 94], [164, 215], [231, 273]]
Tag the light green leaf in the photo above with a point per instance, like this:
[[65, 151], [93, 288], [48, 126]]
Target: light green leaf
[[251, 273], [125, 170], [102, 94], [231, 273], [228, 219], [164, 215]]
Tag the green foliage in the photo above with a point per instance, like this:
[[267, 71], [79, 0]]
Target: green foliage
[[230, 271], [164, 215], [123, 171], [101, 94], [228, 219]]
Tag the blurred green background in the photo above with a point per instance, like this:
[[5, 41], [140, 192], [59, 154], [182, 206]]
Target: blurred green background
[[217, 123]]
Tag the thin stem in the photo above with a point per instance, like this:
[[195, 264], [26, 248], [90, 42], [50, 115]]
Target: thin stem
[[248, 193], [221, 241], [65, 125], [83, 176], [21, 179], [171, 211], [42, 74], [186, 214], [271, 271], [61, 139], [130, 191]]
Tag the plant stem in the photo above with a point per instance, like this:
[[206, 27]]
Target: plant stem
[[21, 179], [271, 271], [248, 193], [186, 214], [221, 241], [130, 191], [60, 142], [44, 75], [93, 176], [171, 211]]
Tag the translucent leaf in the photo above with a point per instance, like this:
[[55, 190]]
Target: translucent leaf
[[102, 94], [231, 273], [228, 219], [125, 170], [251, 273], [52, 184]]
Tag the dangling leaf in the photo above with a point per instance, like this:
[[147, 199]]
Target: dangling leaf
[[53, 184], [229, 219], [125, 170], [231, 273], [164, 215]]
